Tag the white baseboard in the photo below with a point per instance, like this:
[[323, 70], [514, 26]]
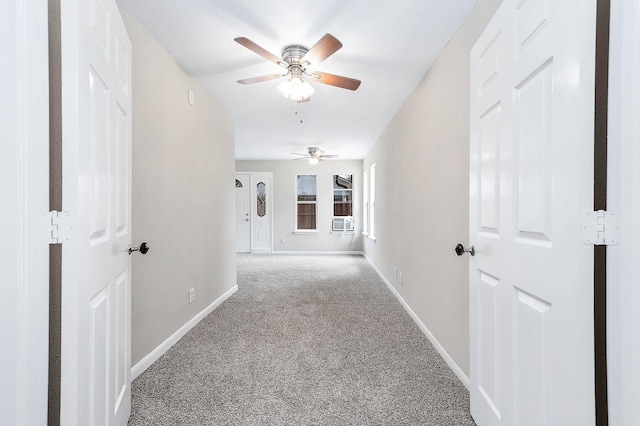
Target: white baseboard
[[163, 347], [361, 253], [436, 344], [260, 251]]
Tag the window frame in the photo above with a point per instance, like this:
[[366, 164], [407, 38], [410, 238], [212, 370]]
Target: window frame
[[350, 196], [365, 203], [372, 202], [298, 230]]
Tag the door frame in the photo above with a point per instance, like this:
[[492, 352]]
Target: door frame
[[623, 181], [252, 195], [24, 178]]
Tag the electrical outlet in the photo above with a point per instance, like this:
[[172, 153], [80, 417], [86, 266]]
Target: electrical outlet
[[400, 278], [282, 240], [192, 295], [190, 97], [396, 273]]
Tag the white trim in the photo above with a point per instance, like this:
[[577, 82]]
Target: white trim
[[372, 202], [425, 330], [365, 202], [163, 347], [305, 231], [24, 185], [261, 251], [360, 253], [623, 272]]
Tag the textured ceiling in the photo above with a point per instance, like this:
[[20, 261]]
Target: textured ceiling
[[389, 45]]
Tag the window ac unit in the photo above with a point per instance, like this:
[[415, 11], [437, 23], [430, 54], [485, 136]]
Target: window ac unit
[[342, 224]]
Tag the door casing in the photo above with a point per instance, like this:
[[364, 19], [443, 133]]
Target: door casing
[[24, 185], [623, 197]]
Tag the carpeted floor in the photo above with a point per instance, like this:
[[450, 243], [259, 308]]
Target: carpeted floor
[[306, 340]]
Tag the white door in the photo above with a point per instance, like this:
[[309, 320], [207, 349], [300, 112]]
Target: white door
[[96, 134], [261, 215], [243, 214], [531, 280]]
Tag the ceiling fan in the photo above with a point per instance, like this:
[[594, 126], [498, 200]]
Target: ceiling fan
[[314, 155], [297, 60]]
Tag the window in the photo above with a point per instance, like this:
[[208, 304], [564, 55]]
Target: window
[[342, 195], [306, 202], [261, 199], [372, 201], [365, 204], [342, 203]]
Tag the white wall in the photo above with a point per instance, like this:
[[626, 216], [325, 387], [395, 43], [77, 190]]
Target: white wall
[[284, 203], [422, 193], [183, 195]]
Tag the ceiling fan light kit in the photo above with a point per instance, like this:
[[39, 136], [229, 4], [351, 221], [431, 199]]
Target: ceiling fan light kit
[[314, 155], [295, 88], [296, 59]]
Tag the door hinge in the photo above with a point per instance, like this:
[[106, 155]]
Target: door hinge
[[600, 228], [57, 227]]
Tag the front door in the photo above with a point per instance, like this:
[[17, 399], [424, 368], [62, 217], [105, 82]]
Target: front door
[[243, 214], [531, 279], [96, 137], [261, 216]]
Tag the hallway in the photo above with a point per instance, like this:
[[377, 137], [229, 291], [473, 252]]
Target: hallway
[[305, 340]]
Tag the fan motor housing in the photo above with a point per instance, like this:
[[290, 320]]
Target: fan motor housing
[[292, 53]]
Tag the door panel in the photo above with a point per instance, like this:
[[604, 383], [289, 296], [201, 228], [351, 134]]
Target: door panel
[[243, 214], [489, 173], [531, 319], [261, 216], [488, 377], [532, 363], [96, 278]]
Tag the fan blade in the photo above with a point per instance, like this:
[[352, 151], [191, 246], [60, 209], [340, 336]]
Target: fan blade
[[302, 158], [320, 51], [295, 153], [260, 78], [336, 80], [261, 51], [329, 156]]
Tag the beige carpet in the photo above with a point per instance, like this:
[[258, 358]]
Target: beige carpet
[[306, 340]]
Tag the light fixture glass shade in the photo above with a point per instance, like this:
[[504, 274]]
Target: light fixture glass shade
[[313, 161], [295, 89]]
